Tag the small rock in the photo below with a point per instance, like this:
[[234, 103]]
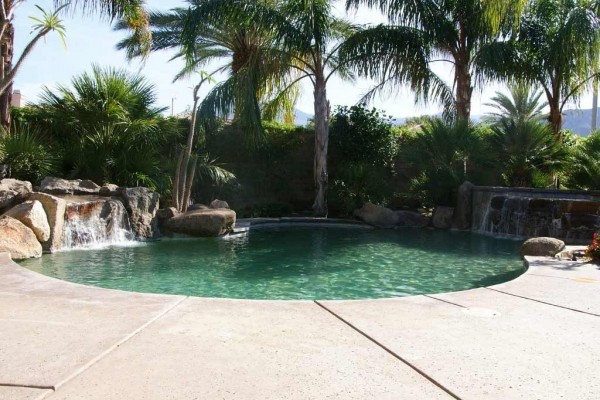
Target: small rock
[[32, 214], [442, 217], [542, 247], [216, 203], [18, 240]]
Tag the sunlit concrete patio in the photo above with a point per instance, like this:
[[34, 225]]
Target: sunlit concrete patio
[[536, 337]]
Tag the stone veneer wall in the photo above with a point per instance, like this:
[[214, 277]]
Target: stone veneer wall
[[571, 215]]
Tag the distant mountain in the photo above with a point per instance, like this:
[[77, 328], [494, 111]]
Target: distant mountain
[[577, 121]]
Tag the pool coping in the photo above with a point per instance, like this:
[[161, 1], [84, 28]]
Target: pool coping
[[563, 279]]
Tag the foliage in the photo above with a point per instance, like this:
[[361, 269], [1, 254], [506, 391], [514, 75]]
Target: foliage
[[360, 135], [27, 154], [593, 250], [445, 155], [584, 165], [526, 152], [363, 147]]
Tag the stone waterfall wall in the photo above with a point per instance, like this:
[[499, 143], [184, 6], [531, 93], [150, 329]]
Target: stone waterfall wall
[[570, 215]]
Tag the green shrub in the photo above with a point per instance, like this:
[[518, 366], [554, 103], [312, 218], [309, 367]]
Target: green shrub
[[583, 171]]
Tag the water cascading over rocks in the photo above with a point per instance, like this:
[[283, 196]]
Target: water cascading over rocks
[[96, 223]]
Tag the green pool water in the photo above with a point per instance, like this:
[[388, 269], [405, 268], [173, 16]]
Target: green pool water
[[295, 263]]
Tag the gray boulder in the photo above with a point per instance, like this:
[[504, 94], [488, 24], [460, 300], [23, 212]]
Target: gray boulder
[[18, 240], [216, 203], [32, 214], [542, 247], [464, 207], [142, 204], [442, 217], [55, 211], [207, 222], [197, 206], [411, 219], [53, 185], [376, 215], [12, 192]]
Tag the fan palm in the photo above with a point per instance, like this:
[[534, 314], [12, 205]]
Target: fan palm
[[306, 37], [463, 34], [585, 165]]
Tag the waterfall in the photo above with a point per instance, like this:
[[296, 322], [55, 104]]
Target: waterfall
[[96, 224], [515, 213]]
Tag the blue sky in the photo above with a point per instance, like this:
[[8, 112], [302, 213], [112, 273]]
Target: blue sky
[[91, 40]]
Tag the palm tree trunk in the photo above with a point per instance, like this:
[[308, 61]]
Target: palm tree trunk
[[183, 168], [6, 52], [188, 186], [555, 119], [321, 144], [464, 90]]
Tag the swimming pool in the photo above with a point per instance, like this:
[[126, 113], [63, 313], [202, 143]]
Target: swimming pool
[[300, 263]]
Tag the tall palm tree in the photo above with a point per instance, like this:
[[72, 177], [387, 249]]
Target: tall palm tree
[[557, 48], [463, 34], [131, 10], [307, 36], [258, 79]]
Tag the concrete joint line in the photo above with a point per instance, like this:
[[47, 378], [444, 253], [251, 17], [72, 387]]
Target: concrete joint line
[[444, 301], [544, 302], [26, 386], [114, 347], [389, 351]]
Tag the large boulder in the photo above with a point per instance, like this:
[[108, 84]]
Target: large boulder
[[216, 203], [411, 219], [197, 206], [163, 215], [464, 207], [376, 215], [442, 217], [32, 214], [18, 240], [12, 192], [542, 247], [53, 185], [55, 211], [142, 204], [207, 222]]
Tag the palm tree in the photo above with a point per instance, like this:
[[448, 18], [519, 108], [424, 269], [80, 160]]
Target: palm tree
[[307, 37], [557, 48], [463, 34], [259, 78], [522, 104], [131, 10]]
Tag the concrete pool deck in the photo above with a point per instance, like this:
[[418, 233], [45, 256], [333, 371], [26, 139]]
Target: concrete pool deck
[[536, 337]]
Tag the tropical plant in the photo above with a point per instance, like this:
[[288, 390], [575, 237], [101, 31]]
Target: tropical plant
[[108, 124], [307, 36], [27, 154], [593, 250], [557, 48], [445, 154], [521, 105], [132, 11], [463, 34], [584, 166], [526, 152]]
